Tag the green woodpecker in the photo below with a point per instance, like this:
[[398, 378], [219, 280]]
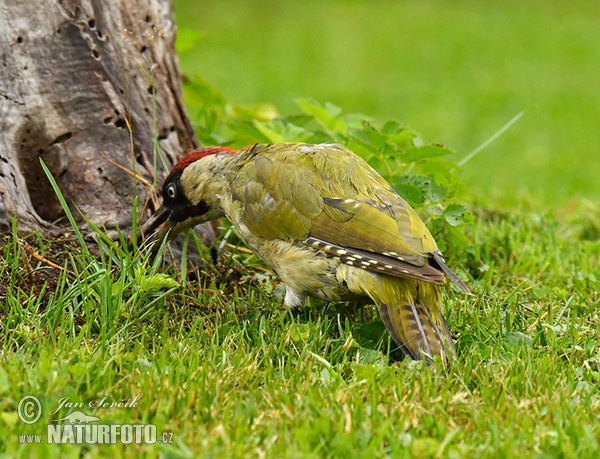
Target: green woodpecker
[[328, 224]]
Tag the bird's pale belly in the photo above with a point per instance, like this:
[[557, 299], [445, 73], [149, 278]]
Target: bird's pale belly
[[305, 272]]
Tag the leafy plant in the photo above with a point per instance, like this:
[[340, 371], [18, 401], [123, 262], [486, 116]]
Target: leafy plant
[[423, 174]]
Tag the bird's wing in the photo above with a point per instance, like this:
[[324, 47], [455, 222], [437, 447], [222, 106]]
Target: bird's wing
[[330, 199]]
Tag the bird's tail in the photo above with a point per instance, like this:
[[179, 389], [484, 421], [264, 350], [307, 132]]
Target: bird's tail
[[410, 309], [417, 325]]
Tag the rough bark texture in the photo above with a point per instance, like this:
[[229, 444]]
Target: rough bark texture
[[80, 79]]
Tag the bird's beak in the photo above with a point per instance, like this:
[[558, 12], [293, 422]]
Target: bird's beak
[[158, 218], [152, 232], [168, 223]]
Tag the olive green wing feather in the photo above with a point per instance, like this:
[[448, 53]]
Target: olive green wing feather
[[277, 201]]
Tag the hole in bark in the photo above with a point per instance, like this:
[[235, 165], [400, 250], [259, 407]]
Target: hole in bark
[[100, 170], [19, 39], [95, 54], [99, 34], [107, 120], [42, 196], [172, 129], [91, 23], [62, 138], [148, 18], [143, 49], [58, 31], [120, 123], [151, 89], [139, 159]]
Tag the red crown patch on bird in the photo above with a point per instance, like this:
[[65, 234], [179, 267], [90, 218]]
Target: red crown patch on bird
[[198, 153]]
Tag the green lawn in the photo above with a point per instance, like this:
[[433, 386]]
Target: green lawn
[[205, 348], [455, 71]]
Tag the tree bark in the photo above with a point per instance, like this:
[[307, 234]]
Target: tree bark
[[85, 84]]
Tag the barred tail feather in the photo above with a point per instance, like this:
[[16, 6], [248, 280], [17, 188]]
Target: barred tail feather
[[410, 309], [419, 333]]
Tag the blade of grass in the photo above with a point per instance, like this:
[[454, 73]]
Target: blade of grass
[[65, 206], [490, 140]]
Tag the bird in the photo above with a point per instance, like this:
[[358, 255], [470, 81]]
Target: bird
[[328, 224]]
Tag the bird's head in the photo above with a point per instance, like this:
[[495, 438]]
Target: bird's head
[[188, 194]]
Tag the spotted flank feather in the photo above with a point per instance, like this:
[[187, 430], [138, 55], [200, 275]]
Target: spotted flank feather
[[388, 263]]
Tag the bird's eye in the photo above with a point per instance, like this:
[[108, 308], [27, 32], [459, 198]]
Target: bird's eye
[[171, 190]]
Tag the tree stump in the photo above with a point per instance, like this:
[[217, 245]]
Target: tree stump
[[87, 85]]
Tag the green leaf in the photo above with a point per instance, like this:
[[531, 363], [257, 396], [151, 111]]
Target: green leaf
[[436, 192], [411, 193], [272, 135], [428, 188], [454, 214], [405, 139], [156, 282], [327, 115], [369, 136], [440, 169], [247, 132], [421, 153], [392, 127], [282, 129]]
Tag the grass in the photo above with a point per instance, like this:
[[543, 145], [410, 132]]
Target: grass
[[208, 350], [231, 374]]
